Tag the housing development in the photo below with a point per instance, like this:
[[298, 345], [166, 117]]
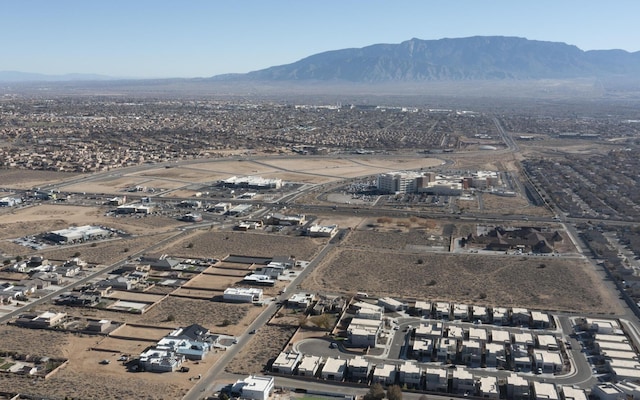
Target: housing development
[[281, 249]]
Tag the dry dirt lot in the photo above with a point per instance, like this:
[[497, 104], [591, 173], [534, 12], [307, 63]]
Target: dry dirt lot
[[550, 283], [26, 179], [265, 345], [220, 244], [210, 314], [214, 282], [140, 332], [83, 366]]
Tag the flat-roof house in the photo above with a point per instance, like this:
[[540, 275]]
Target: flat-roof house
[[368, 311], [471, 352], [524, 339], [423, 349], [547, 342], [480, 313], [461, 312], [548, 361], [286, 362], [494, 354], [455, 332], [500, 316], [423, 308], [463, 381], [540, 320], [155, 360], [478, 334], [309, 365], [488, 387], [45, 319], [520, 316], [242, 295], [500, 336], [384, 374], [334, 369], [358, 369], [606, 326], [608, 391], [391, 304], [364, 332], [259, 280], [301, 300], [436, 379], [442, 310], [517, 387], [254, 387], [431, 330], [545, 391], [447, 349], [571, 393], [410, 374]]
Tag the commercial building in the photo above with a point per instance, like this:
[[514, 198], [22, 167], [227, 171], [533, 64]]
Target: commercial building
[[78, 234], [251, 182]]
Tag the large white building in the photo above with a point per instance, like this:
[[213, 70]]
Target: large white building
[[252, 182], [398, 182], [77, 234]]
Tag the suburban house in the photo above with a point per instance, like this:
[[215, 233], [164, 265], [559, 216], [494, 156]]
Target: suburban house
[[254, 387], [309, 365], [391, 304], [286, 362], [193, 342], [364, 332], [384, 374], [45, 319], [488, 387], [358, 369], [368, 311], [410, 374], [517, 387], [242, 295], [437, 379], [334, 369], [545, 391], [463, 381]]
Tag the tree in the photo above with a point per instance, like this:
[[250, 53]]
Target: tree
[[376, 392], [394, 392]]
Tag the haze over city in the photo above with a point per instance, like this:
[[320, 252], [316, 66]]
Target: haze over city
[[150, 39]]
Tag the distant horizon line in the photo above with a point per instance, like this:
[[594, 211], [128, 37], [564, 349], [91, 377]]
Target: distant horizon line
[[96, 76]]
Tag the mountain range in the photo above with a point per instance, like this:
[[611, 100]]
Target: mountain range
[[462, 59], [472, 58]]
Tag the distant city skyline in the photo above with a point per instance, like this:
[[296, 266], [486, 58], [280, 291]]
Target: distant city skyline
[[198, 38]]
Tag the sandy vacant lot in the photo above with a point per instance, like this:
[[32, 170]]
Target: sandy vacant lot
[[265, 345], [220, 244], [372, 265]]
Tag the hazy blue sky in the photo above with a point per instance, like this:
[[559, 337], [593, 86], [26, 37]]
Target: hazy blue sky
[[189, 38]]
